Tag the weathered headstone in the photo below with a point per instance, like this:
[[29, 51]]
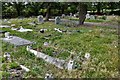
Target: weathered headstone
[[25, 68], [57, 20], [63, 15], [92, 17], [7, 35], [70, 65], [40, 19], [87, 16], [12, 25], [4, 26], [71, 14], [57, 29]]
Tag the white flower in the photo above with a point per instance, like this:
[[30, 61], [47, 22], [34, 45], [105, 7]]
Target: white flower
[[87, 55]]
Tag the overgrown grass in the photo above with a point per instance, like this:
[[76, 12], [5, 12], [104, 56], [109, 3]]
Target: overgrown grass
[[89, 20], [100, 42]]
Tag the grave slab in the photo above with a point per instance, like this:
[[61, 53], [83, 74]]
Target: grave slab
[[17, 41], [4, 26], [2, 32]]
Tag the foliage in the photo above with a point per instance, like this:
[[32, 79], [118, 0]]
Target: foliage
[[13, 65]]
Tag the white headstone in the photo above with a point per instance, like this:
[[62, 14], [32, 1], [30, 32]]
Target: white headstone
[[87, 16], [12, 25], [57, 20], [70, 14], [40, 19], [63, 15], [70, 65], [7, 35]]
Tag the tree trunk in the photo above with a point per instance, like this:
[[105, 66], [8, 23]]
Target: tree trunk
[[17, 8], [82, 13], [48, 12], [98, 7]]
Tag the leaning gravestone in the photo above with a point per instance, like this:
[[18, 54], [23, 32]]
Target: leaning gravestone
[[57, 20], [40, 19]]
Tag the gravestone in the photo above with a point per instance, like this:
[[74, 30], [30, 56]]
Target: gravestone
[[87, 16], [17, 41], [4, 26], [40, 19], [70, 65], [92, 17], [7, 35], [12, 25], [57, 29], [63, 15], [57, 20], [70, 14]]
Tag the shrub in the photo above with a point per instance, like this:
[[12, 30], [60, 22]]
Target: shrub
[[104, 17], [13, 65], [6, 74], [4, 67]]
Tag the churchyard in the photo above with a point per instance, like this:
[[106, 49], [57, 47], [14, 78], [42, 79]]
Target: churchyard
[[92, 50]]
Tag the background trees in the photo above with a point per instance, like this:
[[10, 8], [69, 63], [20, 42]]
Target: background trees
[[48, 9]]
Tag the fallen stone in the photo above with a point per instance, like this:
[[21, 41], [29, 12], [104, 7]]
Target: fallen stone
[[24, 68], [4, 26]]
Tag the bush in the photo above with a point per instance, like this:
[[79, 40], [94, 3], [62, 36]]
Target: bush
[[6, 74], [4, 67], [104, 17], [3, 59], [13, 65]]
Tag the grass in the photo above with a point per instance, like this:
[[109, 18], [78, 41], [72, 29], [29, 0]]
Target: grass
[[90, 20], [100, 42]]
